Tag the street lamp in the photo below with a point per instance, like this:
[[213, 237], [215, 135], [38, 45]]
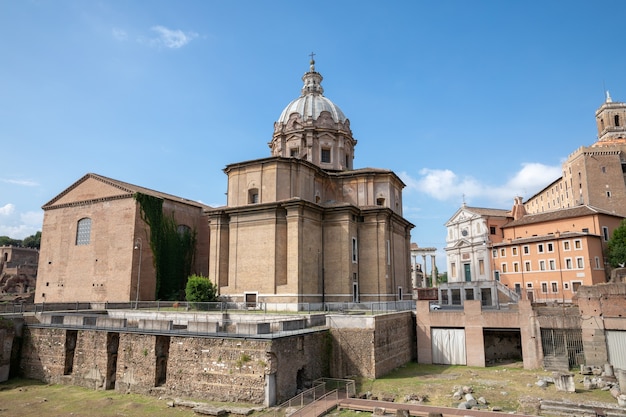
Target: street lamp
[[138, 246]]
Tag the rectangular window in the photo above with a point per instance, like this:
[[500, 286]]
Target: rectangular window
[[544, 287], [514, 251], [542, 265], [605, 233], [552, 265], [503, 252], [550, 247], [527, 266], [580, 263], [526, 250], [494, 253], [540, 248], [518, 288], [568, 263], [515, 266], [481, 266], [576, 285], [578, 244], [294, 152], [492, 230], [555, 287], [529, 285], [566, 245], [354, 250], [326, 155], [503, 267], [597, 262]]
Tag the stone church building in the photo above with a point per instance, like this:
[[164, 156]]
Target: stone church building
[[300, 226]]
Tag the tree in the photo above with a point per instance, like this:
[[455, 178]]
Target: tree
[[200, 289], [7, 241], [33, 241], [616, 249]]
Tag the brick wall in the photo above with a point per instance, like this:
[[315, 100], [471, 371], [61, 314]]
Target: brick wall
[[261, 371]]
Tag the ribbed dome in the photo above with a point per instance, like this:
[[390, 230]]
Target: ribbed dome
[[310, 106], [312, 101]]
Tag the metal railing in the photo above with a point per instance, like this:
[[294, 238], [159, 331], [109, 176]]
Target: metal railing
[[222, 306], [316, 401]]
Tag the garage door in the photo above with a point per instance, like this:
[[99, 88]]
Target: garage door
[[448, 346], [616, 343]]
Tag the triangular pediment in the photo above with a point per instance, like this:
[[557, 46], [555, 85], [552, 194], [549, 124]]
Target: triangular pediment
[[462, 243], [462, 215], [91, 187]]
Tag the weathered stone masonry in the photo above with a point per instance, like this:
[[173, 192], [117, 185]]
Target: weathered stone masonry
[[218, 369]]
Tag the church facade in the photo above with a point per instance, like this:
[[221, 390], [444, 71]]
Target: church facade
[[304, 226]]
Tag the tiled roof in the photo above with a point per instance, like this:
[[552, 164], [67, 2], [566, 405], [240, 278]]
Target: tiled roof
[[128, 188], [548, 216], [489, 211]]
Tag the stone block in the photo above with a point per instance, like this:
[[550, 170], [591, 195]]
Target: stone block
[[108, 322], [564, 382], [253, 328], [288, 325], [155, 324], [73, 320], [203, 326]]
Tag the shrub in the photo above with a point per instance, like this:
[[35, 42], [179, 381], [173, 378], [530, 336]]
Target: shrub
[[200, 290]]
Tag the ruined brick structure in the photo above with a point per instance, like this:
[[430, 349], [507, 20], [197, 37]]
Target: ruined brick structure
[[105, 352], [18, 272]]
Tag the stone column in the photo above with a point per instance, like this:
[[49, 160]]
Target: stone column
[[433, 270], [424, 270]]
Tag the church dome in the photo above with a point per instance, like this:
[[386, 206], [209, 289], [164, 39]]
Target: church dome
[[314, 129], [312, 101]]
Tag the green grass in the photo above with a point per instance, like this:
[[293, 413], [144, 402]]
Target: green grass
[[502, 386], [508, 387], [28, 398]]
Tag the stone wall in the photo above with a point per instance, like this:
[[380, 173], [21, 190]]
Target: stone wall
[[259, 371], [371, 346], [6, 345]]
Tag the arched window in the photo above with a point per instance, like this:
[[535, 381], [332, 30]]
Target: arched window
[[83, 231], [616, 120], [183, 230]]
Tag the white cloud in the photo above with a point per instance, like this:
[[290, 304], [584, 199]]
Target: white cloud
[[32, 218], [119, 34], [173, 39], [445, 185], [7, 209], [17, 225], [26, 183]]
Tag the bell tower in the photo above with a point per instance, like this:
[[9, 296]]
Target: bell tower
[[611, 122]]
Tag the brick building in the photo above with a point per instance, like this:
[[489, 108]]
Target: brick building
[[93, 239], [592, 175], [301, 226], [548, 256], [545, 248], [18, 272]]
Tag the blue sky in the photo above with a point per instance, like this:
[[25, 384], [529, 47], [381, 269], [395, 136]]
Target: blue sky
[[474, 100]]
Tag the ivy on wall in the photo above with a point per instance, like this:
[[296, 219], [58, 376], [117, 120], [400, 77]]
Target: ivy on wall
[[173, 248]]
